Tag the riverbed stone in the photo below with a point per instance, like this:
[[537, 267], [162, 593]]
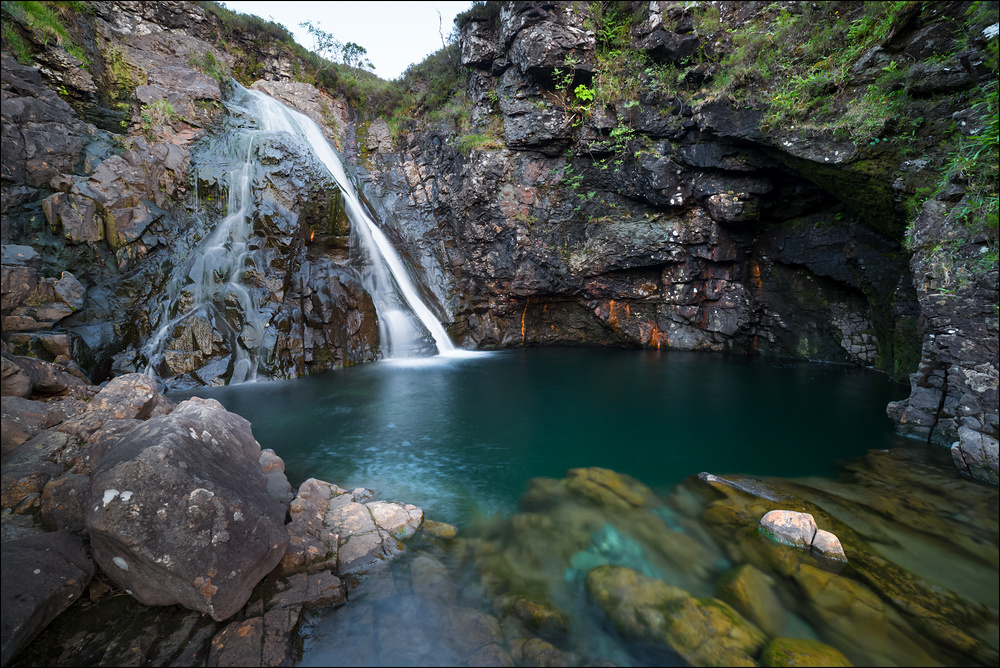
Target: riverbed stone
[[703, 631], [468, 630], [538, 652], [440, 529], [42, 576], [752, 594], [179, 511], [801, 652], [430, 579], [789, 527], [608, 488], [828, 545]]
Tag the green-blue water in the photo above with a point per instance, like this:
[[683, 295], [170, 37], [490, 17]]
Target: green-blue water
[[455, 436]]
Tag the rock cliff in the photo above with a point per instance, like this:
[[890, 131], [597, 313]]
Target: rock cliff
[[629, 174], [675, 209]]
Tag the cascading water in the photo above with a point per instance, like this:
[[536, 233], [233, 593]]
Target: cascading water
[[208, 293], [388, 282], [211, 280]]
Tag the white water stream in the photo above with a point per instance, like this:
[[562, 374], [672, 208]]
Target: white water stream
[[210, 283], [395, 325]]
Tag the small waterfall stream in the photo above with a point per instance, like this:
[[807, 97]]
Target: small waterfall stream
[[388, 274], [209, 286]]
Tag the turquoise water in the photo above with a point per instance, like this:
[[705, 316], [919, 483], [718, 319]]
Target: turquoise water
[[463, 436]]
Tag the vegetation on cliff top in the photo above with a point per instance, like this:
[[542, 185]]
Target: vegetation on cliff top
[[46, 20]]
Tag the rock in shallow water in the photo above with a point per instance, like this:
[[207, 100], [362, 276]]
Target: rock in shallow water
[[703, 631], [801, 652]]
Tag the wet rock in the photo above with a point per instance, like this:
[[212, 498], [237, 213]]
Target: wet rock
[[430, 580], [469, 630], [608, 488], [331, 115], [259, 641], [977, 455], [537, 652], [801, 652], [493, 655], [856, 619], [541, 618], [308, 590], [752, 594], [440, 529], [179, 511], [828, 545], [42, 576], [789, 527], [702, 631]]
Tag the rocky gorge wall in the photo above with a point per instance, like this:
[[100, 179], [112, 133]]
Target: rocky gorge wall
[[674, 217], [116, 215], [678, 220]]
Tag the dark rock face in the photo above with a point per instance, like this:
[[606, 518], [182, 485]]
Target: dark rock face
[[179, 511], [954, 392], [695, 234], [42, 576], [112, 220]]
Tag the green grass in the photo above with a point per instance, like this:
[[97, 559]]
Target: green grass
[[45, 21]]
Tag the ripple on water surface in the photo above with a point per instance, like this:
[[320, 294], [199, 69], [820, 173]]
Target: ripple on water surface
[[554, 568]]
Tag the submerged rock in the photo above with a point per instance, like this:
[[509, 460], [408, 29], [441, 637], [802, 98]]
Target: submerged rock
[[608, 488], [752, 593], [801, 652], [702, 631]]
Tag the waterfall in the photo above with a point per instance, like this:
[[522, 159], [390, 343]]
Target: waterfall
[[208, 290], [389, 280], [210, 281]]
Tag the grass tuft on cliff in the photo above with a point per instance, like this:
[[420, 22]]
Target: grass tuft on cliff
[[45, 21]]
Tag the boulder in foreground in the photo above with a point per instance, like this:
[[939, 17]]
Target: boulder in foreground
[[179, 511]]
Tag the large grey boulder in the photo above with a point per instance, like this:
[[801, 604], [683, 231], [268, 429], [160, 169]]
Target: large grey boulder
[[179, 511], [42, 576]]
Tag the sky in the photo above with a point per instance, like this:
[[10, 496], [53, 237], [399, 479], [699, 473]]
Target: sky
[[396, 34]]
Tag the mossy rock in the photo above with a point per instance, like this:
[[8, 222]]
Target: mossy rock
[[609, 489], [705, 632], [801, 652], [751, 592]]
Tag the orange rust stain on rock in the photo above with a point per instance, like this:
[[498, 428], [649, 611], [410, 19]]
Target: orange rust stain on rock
[[755, 281], [207, 588], [523, 316]]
